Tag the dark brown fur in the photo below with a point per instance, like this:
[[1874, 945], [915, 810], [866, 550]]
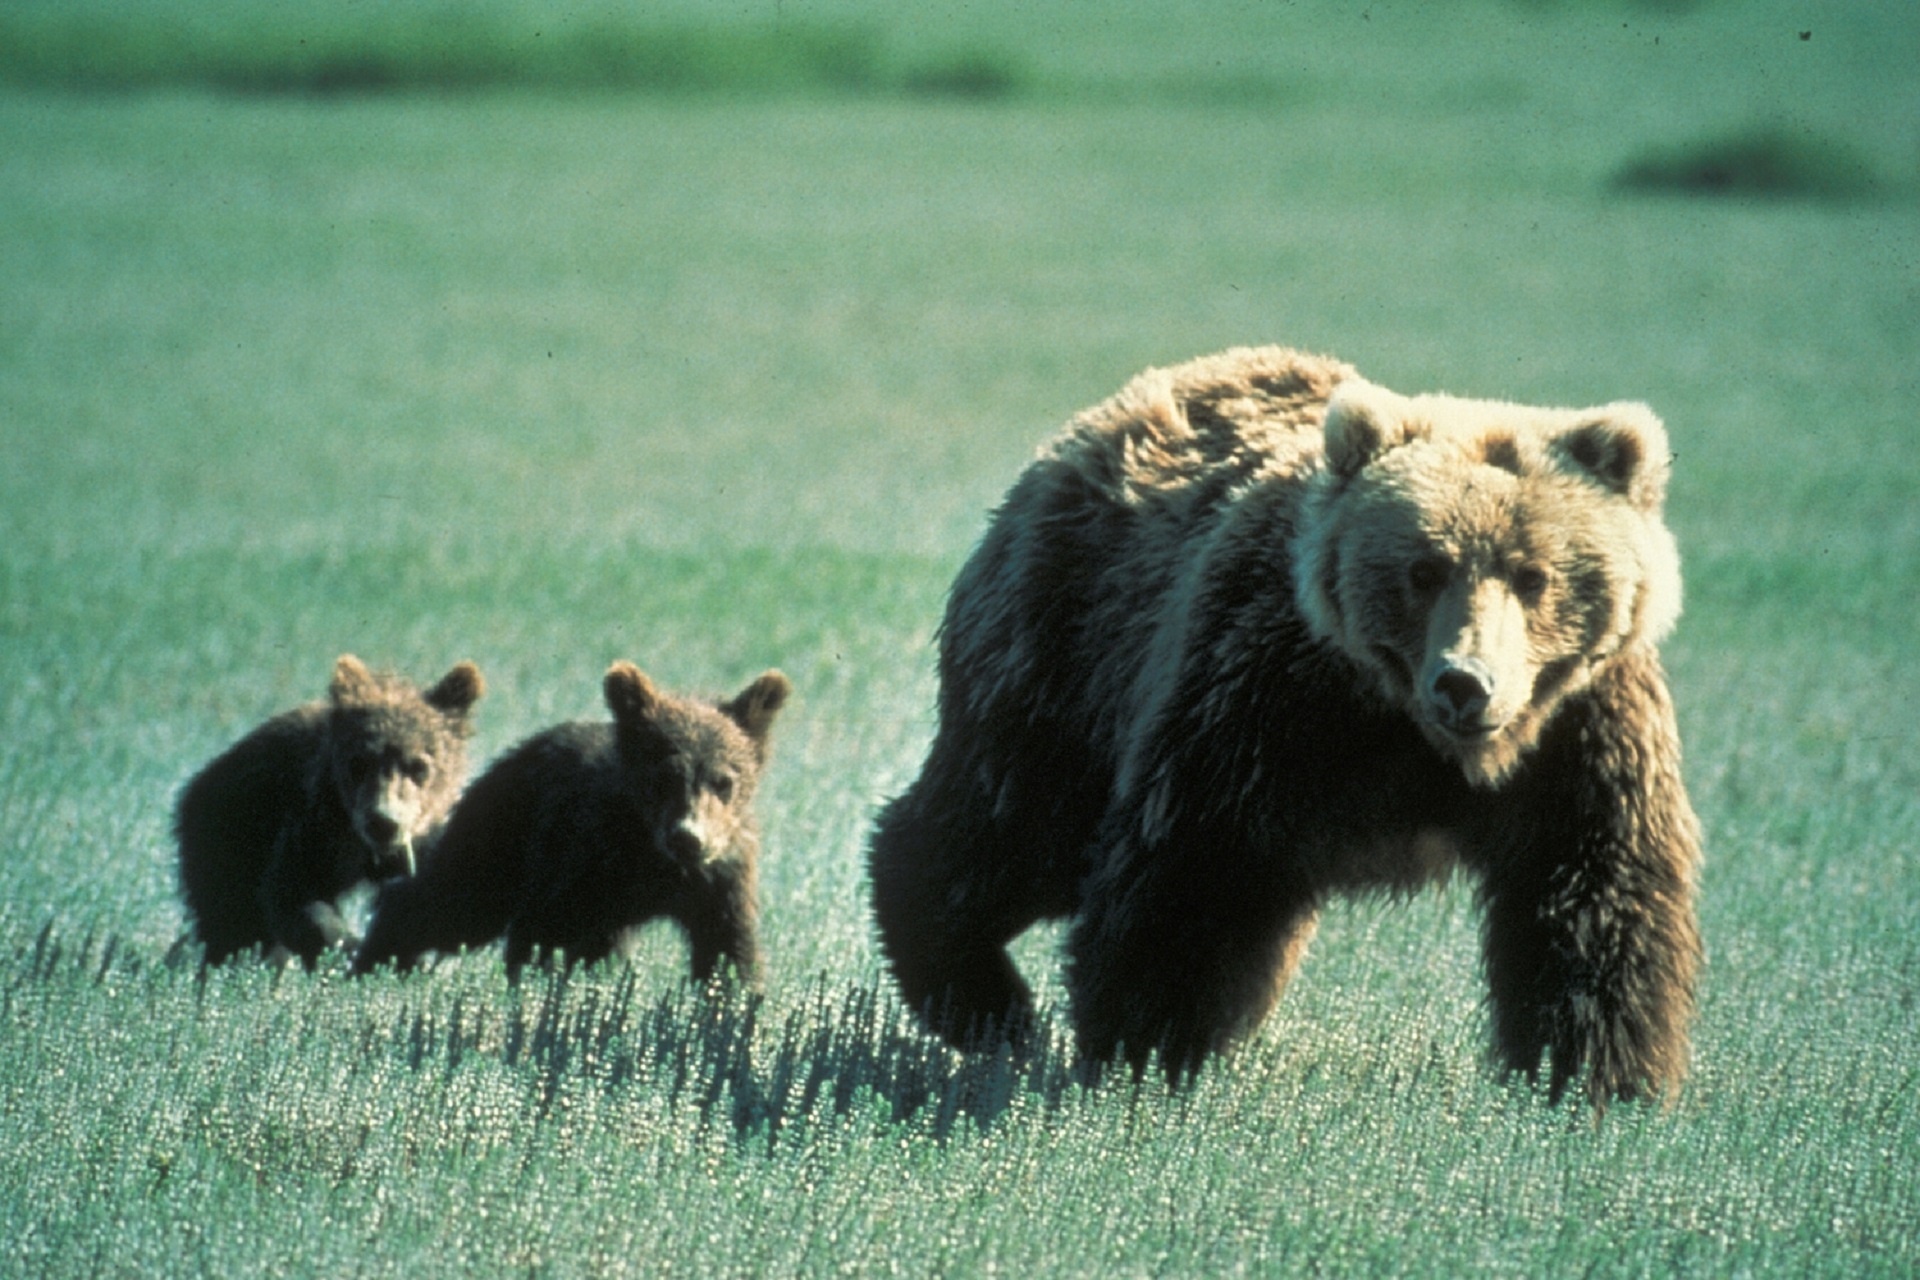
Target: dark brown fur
[[584, 832], [1256, 632], [316, 802]]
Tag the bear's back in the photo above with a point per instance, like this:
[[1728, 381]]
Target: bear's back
[[1179, 439], [556, 772], [230, 813]]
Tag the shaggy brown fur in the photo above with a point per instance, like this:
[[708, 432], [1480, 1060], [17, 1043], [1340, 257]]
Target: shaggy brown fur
[[584, 832], [1255, 632], [316, 802]]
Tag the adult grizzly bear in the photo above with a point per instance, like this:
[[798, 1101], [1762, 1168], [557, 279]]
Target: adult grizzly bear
[[584, 832], [1256, 631], [317, 801]]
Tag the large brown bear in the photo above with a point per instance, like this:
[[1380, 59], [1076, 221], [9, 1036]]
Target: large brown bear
[[584, 832], [1255, 632], [318, 801]]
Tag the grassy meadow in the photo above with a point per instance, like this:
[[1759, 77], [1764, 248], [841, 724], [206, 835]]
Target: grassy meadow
[[557, 360]]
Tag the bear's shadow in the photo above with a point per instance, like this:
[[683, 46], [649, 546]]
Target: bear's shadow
[[844, 1051], [847, 1050]]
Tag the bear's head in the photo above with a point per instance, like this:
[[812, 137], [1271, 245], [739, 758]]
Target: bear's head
[[696, 764], [397, 757], [1481, 561]]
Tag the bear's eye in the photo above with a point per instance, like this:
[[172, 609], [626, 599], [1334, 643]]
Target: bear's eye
[[1528, 581], [416, 769], [1429, 573], [722, 786]]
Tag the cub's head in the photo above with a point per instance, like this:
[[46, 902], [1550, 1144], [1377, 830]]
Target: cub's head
[[696, 764], [1480, 561], [397, 757]]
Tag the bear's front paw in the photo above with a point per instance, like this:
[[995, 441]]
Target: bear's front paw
[[1612, 1058]]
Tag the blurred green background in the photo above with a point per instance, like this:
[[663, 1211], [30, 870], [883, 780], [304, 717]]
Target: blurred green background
[[707, 335]]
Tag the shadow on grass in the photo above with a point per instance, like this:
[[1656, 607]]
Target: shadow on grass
[[720, 1052], [414, 47], [1766, 163], [846, 1050], [411, 50]]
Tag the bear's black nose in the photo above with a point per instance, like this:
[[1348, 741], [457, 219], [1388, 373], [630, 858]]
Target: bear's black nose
[[1463, 689], [380, 827]]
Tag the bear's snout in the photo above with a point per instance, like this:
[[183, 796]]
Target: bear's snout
[[1461, 694], [387, 828], [686, 841]]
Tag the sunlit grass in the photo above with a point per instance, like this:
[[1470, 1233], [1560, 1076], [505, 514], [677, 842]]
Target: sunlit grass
[[723, 382], [451, 1117]]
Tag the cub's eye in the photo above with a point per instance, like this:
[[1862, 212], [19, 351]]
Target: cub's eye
[[722, 787], [416, 768], [1528, 581], [1429, 573]]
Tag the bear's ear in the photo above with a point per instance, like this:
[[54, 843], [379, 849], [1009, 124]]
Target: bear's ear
[[755, 706], [352, 682], [458, 690], [630, 695], [1363, 421], [1621, 447]]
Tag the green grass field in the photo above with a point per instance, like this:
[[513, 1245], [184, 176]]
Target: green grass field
[[725, 373]]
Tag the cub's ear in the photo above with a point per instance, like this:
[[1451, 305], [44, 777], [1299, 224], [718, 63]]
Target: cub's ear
[[1363, 421], [351, 680], [1622, 448], [458, 690], [630, 695], [755, 706]]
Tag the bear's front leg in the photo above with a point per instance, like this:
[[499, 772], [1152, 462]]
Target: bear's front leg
[[410, 918], [298, 902], [1182, 949], [1592, 946], [724, 925], [308, 929]]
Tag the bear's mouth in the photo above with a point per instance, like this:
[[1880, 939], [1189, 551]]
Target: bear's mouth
[[1469, 728], [394, 859]]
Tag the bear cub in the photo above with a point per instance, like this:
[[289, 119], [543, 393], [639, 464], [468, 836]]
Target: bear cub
[[1257, 632], [316, 802], [586, 831]]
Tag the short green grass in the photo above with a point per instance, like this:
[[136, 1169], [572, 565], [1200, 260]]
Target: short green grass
[[721, 381]]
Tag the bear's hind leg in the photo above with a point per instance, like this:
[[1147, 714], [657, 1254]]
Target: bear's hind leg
[[1163, 963], [950, 891]]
